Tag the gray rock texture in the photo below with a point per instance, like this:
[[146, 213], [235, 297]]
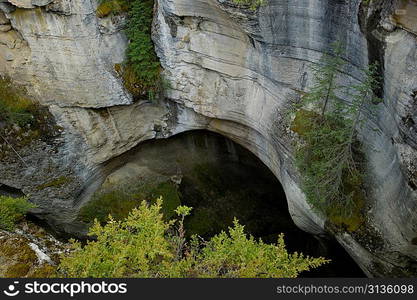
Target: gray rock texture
[[64, 47], [231, 70], [243, 69]]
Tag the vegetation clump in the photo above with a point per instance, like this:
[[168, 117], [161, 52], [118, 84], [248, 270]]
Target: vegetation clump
[[15, 107], [141, 72], [329, 155], [120, 202], [253, 4], [107, 7], [18, 259], [145, 245], [22, 120], [54, 183], [13, 210]]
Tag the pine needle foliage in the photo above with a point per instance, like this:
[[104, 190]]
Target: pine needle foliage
[[329, 155], [253, 4], [141, 71], [145, 245]]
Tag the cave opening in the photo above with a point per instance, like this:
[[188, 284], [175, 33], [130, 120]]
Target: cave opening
[[221, 180]]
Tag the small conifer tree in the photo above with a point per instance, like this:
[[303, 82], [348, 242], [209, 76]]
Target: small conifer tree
[[329, 155]]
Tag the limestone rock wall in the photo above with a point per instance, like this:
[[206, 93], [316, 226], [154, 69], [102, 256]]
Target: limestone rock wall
[[231, 70], [244, 68], [58, 42], [64, 56]]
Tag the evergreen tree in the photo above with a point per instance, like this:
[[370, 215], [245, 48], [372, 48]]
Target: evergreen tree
[[144, 245], [325, 78], [329, 157]]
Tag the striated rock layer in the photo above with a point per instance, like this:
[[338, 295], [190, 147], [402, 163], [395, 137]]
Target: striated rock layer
[[243, 69], [233, 71]]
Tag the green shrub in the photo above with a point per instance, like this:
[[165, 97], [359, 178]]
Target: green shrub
[[253, 4], [15, 107], [329, 155], [331, 184], [120, 202], [141, 71], [144, 245], [12, 210], [141, 57]]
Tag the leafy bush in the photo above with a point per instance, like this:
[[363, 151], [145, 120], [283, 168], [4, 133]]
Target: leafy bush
[[141, 56], [144, 245], [12, 210]]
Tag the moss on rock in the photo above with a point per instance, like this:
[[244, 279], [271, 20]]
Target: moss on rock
[[54, 183], [17, 270], [22, 120], [43, 271], [107, 7], [348, 214]]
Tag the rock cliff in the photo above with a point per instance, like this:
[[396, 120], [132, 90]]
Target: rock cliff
[[230, 70]]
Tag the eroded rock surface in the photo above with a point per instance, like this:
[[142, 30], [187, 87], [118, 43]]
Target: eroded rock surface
[[233, 71], [63, 42], [243, 69]]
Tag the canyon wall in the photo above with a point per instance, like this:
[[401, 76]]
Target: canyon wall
[[230, 70]]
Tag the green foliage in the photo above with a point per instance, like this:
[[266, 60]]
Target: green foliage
[[15, 107], [183, 211], [253, 4], [234, 254], [120, 202], [141, 70], [54, 183], [107, 7], [21, 120], [325, 76], [12, 210], [144, 245], [329, 157], [141, 56]]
